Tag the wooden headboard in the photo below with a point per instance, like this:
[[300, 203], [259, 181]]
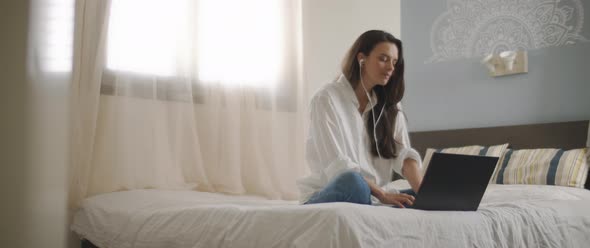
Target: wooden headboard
[[565, 135]]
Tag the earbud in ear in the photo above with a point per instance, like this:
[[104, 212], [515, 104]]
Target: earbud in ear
[[362, 62]]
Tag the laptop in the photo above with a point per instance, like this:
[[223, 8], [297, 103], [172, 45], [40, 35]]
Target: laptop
[[455, 182]]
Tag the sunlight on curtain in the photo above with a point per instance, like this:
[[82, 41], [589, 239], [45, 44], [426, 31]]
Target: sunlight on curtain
[[204, 95], [238, 45], [146, 39], [245, 44]]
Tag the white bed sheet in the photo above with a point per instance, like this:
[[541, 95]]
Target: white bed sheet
[[509, 216]]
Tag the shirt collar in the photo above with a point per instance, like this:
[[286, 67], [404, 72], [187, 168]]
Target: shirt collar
[[349, 93]]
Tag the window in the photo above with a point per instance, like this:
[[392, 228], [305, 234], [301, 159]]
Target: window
[[143, 34], [241, 43], [227, 41], [57, 32]]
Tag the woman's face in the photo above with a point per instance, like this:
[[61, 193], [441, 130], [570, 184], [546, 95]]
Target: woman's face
[[380, 64]]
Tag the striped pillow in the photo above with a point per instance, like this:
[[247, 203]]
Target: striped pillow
[[491, 151], [544, 166]]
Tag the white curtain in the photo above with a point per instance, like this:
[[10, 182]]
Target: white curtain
[[186, 102]]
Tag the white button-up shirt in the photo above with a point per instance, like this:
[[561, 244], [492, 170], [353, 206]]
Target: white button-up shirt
[[338, 141]]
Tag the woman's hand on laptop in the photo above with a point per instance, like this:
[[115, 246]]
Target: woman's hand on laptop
[[397, 199]]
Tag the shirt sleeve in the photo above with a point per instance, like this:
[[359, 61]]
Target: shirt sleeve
[[326, 143], [403, 146]]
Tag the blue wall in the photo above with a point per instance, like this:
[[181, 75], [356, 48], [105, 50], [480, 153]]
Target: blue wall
[[456, 92]]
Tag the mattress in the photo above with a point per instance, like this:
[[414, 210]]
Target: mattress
[[508, 216]]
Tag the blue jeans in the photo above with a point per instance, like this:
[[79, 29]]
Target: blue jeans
[[349, 186]]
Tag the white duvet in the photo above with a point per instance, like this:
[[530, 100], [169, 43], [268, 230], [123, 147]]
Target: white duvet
[[509, 216]]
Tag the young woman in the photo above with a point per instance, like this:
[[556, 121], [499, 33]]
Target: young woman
[[357, 134]]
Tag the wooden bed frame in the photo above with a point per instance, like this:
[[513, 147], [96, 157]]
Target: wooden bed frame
[[564, 135]]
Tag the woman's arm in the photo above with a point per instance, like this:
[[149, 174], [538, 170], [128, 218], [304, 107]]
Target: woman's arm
[[326, 145], [411, 171], [388, 198], [410, 166], [375, 190]]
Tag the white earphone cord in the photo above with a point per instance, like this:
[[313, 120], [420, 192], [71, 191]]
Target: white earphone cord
[[372, 112]]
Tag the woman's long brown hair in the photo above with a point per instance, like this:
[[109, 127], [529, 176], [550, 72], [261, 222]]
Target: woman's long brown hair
[[389, 95]]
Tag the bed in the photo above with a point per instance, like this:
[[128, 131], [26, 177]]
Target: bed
[[508, 216]]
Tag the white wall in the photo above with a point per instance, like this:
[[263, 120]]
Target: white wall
[[34, 142], [331, 26]]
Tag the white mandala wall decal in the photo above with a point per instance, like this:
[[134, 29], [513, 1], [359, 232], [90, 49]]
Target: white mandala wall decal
[[472, 28]]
